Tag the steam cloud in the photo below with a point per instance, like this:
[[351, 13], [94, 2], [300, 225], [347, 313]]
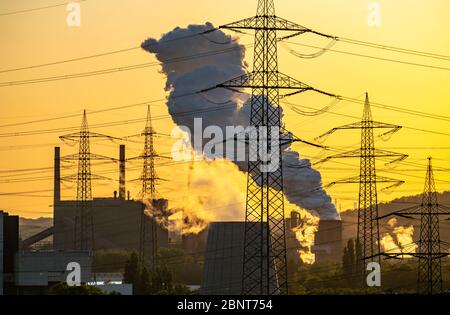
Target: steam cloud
[[204, 70], [403, 241]]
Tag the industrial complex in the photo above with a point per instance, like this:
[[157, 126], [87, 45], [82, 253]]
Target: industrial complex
[[280, 234]]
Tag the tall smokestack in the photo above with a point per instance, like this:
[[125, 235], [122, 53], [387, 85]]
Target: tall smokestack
[[122, 172], [57, 177]]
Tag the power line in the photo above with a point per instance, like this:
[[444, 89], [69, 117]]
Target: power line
[[111, 124], [365, 56], [400, 109], [119, 69], [394, 49], [351, 116], [39, 8], [103, 54], [293, 106]]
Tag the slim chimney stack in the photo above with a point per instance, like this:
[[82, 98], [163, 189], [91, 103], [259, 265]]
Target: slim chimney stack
[[122, 172], [57, 177]]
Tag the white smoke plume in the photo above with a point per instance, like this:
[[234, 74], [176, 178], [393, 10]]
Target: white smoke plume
[[401, 241], [305, 234], [204, 204], [301, 184]]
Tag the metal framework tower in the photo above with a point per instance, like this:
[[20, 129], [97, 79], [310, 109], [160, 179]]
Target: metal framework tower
[[368, 234], [84, 223], [429, 272], [149, 175], [148, 195], [84, 188], [429, 277], [264, 267]]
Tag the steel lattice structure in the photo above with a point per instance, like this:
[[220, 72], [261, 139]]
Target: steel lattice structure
[[265, 266], [429, 271], [148, 195], [84, 223], [429, 277], [368, 234]]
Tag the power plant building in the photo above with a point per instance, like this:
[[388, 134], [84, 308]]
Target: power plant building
[[9, 245], [328, 244], [115, 222], [36, 272]]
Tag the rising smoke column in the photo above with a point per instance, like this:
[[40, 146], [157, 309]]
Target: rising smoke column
[[302, 184], [403, 241]]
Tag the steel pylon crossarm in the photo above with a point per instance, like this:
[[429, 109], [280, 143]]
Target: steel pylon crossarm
[[274, 80], [272, 23]]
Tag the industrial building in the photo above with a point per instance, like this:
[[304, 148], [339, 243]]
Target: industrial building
[[328, 244], [36, 272], [30, 272], [9, 245], [116, 224], [195, 243], [116, 220]]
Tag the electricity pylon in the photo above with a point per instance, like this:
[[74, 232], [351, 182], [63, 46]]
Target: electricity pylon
[[368, 234], [84, 222], [148, 179], [264, 263], [429, 271]]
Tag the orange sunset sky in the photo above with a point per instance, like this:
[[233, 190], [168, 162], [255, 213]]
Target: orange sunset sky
[[42, 36]]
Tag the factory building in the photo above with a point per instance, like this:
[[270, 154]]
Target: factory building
[[292, 244], [29, 272], [36, 272], [116, 221], [116, 224], [328, 244], [9, 245], [195, 243]]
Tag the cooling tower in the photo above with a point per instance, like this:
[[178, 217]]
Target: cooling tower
[[222, 272]]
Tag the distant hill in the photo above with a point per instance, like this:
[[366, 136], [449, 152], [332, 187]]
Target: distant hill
[[350, 216]]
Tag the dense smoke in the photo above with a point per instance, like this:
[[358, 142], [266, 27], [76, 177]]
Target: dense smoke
[[400, 240], [202, 70]]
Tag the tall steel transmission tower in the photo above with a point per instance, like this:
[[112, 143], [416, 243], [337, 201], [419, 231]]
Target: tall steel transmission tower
[[429, 277], [368, 234], [148, 174], [265, 267], [149, 179], [429, 272], [84, 222], [84, 188], [84, 225]]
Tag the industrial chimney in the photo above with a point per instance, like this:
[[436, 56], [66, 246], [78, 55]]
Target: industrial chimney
[[57, 177], [122, 172]]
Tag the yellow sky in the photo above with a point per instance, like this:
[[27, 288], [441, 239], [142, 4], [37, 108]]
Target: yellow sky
[[42, 36]]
